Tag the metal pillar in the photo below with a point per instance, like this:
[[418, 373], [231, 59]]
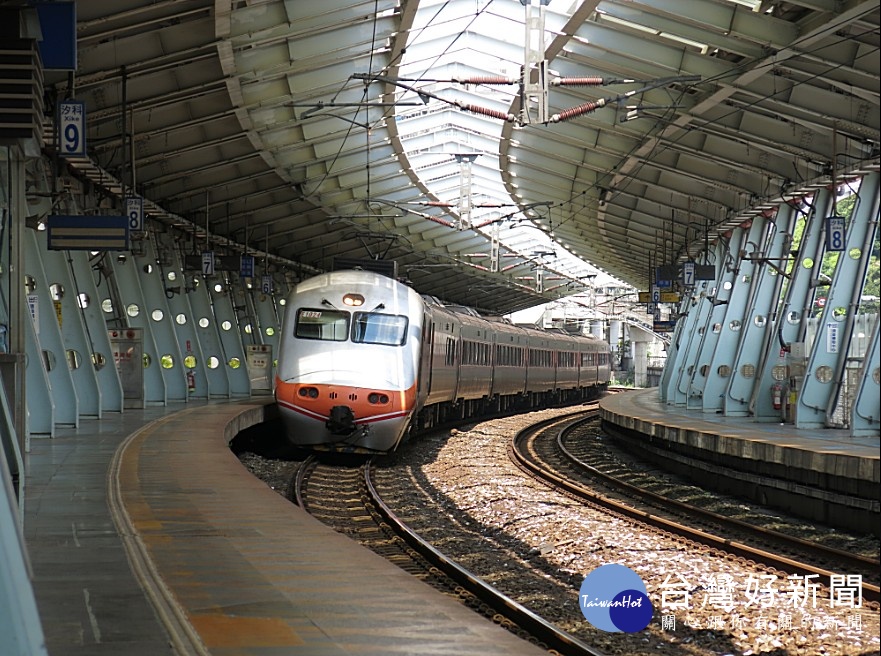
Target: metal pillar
[[732, 332], [827, 361], [761, 310], [700, 369], [790, 325]]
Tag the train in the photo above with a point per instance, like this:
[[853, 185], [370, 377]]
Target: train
[[364, 361]]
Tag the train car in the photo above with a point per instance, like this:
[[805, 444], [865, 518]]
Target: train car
[[364, 359], [348, 361]]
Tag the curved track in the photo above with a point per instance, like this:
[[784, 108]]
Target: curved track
[[539, 450], [346, 499]]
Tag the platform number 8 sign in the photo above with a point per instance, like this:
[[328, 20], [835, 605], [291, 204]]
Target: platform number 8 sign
[[134, 210], [835, 233]]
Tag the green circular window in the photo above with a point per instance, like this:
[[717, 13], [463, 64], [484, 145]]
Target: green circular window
[[234, 363], [167, 361]]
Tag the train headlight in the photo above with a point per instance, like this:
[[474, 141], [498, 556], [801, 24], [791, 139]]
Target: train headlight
[[353, 300], [309, 392], [377, 399]]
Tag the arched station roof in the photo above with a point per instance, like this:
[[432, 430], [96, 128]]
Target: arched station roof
[[405, 130]]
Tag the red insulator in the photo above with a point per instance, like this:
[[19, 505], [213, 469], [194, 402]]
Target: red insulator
[[486, 111], [436, 203], [572, 112], [485, 79], [579, 81]]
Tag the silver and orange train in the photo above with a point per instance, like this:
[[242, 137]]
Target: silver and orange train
[[363, 359]]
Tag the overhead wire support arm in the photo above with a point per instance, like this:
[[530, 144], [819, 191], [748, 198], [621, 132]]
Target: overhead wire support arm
[[425, 95], [586, 108]]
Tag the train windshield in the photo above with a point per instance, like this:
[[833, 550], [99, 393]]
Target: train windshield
[[327, 325], [373, 328]]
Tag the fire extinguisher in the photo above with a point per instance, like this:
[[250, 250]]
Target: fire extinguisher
[[191, 381], [777, 395]]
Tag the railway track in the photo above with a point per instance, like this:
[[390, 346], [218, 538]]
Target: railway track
[[541, 451], [345, 498]]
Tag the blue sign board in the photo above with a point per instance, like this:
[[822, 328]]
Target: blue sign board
[[664, 326], [58, 29], [134, 210], [87, 233], [835, 233], [208, 263], [688, 274], [246, 270]]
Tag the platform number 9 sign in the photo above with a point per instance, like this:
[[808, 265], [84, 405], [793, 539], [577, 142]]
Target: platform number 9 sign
[[835, 233], [72, 128], [134, 210]]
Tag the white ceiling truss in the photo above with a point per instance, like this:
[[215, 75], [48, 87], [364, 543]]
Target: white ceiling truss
[[397, 128]]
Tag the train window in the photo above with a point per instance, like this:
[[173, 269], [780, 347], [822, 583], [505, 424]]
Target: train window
[[326, 325], [376, 328]]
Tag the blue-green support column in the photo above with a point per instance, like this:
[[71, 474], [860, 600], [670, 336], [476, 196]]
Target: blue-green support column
[[158, 313], [693, 328], [180, 316], [207, 331], [790, 324], [128, 280], [828, 358], [47, 332], [865, 416], [73, 331], [100, 353], [715, 319], [728, 344], [230, 337], [758, 323]]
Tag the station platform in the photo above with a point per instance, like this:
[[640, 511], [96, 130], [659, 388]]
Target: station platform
[[824, 475], [147, 536]]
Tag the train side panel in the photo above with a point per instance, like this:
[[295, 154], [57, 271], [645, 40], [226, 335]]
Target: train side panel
[[509, 358], [540, 370], [476, 366]]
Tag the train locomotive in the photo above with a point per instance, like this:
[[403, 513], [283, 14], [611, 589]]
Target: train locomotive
[[363, 359]]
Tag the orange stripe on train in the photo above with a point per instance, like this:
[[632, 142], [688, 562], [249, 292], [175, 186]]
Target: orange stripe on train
[[367, 404]]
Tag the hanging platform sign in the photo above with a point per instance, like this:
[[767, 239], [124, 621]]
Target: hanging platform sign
[[87, 233], [664, 326], [662, 297], [246, 268], [72, 128], [835, 235]]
